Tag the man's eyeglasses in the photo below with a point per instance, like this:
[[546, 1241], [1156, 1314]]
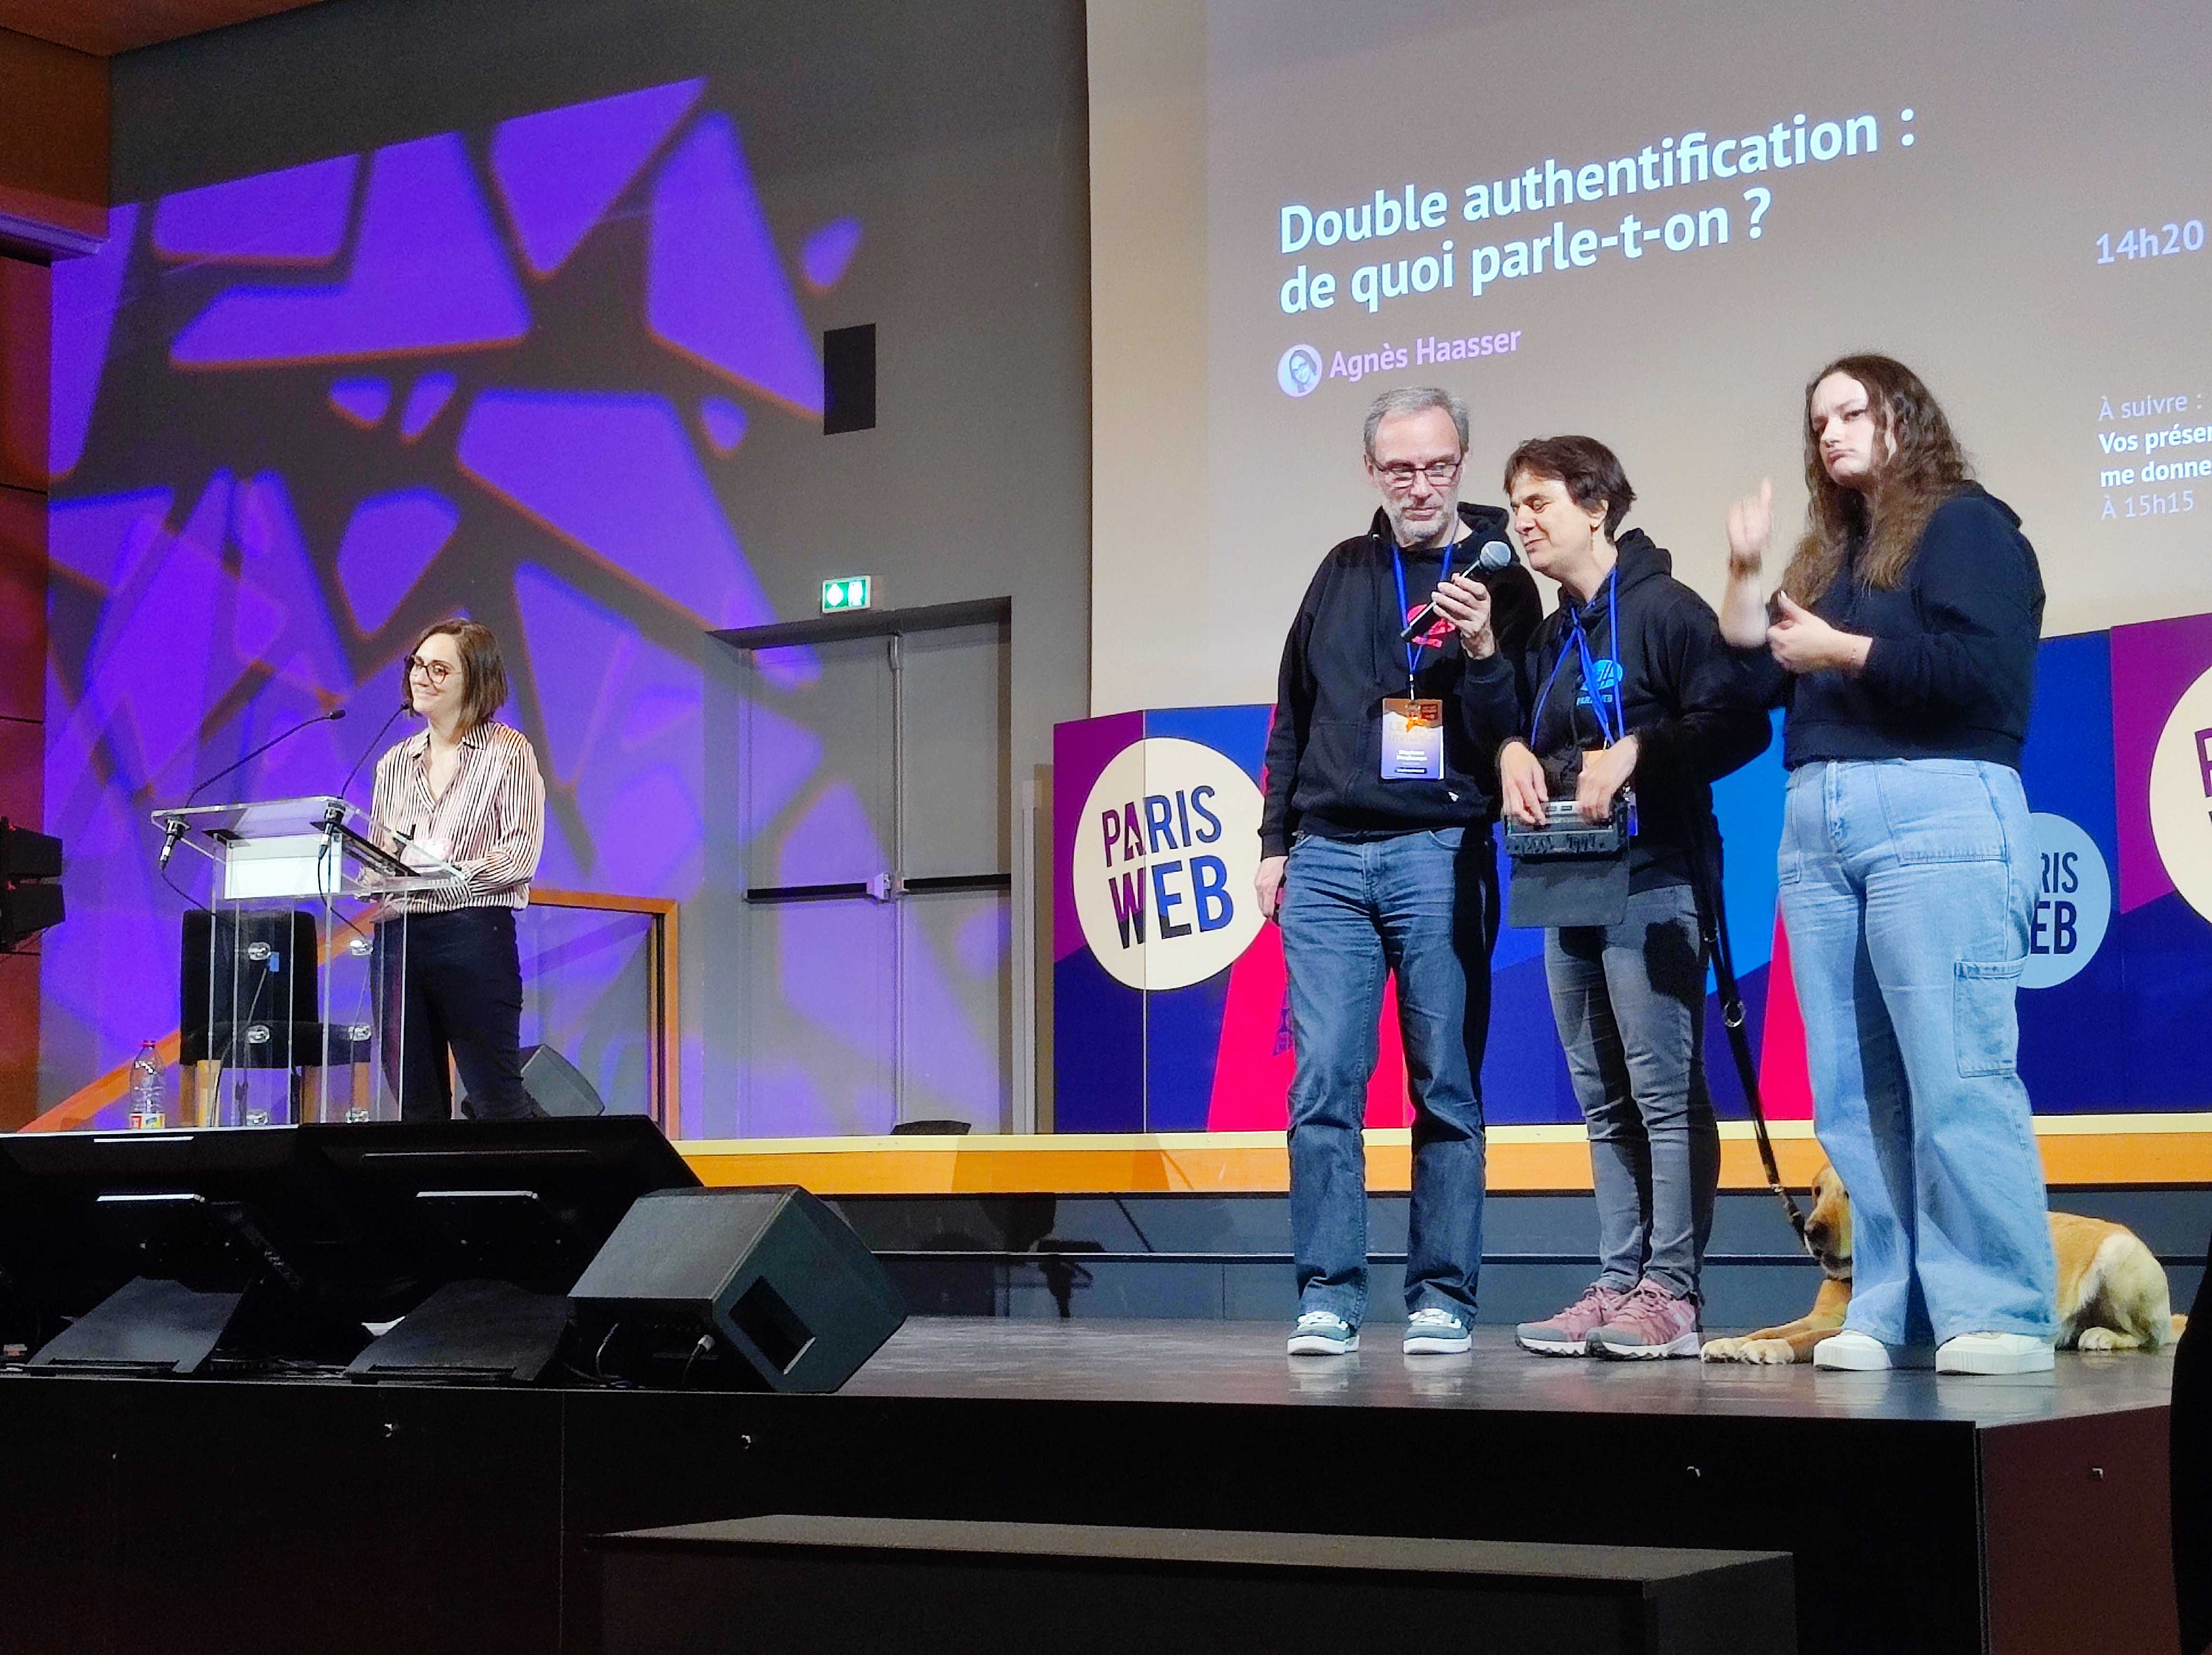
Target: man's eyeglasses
[[437, 671], [1399, 474]]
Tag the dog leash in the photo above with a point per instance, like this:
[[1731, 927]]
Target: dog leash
[[1713, 922]]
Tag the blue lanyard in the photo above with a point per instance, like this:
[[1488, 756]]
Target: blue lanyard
[[1398, 568], [1612, 728]]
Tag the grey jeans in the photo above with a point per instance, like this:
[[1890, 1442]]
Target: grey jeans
[[1630, 1001]]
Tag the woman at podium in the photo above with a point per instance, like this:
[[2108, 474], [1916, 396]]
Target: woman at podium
[[464, 790]]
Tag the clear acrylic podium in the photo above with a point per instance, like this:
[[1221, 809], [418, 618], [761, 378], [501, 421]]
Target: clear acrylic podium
[[290, 1011]]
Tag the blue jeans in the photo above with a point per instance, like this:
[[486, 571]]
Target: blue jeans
[[1423, 906], [1906, 885], [1630, 1002]]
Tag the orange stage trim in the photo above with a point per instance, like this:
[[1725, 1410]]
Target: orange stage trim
[[2077, 1150]]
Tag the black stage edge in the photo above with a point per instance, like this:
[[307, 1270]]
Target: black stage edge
[[1957, 1515]]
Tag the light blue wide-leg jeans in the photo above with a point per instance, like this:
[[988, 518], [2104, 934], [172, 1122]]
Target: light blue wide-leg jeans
[[1906, 886]]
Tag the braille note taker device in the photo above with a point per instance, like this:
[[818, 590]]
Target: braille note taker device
[[1412, 739]]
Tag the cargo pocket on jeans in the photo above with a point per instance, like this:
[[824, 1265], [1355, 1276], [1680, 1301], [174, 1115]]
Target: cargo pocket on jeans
[[1985, 1018]]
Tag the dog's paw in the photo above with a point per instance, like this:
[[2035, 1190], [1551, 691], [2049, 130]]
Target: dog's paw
[[1720, 1350], [1772, 1353], [2105, 1338]]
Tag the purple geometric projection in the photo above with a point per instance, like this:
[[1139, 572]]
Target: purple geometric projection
[[828, 252], [294, 216], [786, 1102], [85, 291], [941, 1050], [278, 597], [153, 667], [834, 971], [112, 968], [312, 761], [428, 275], [558, 172], [620, 721], [275, 562], [714, 284], [364, 401], [792, 666], [388, 544], [424, 404], [830, 956], [617, 476], [101, 538], [724, 423], [784, 755], [832, 843], [982, 940]]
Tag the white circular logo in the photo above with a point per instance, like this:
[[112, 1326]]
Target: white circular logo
[[2181, 795], [1165, 854], [1299, 371], [2073, 903]]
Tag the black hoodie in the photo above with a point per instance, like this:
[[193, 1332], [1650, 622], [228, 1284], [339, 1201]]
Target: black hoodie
[[1691, 727], [1952, 671], [1343, 657]]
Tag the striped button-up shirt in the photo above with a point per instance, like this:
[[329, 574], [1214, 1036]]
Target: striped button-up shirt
[[490, 822]]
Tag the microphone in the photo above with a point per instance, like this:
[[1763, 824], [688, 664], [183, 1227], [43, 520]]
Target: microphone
[[374, 742], [1494, 556], [173, 829]]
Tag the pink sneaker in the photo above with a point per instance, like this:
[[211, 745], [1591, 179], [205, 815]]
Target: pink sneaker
[[1568, 1333], [1650, 1322]]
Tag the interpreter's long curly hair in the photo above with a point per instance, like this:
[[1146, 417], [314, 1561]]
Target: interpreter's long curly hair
[[1926, 469]]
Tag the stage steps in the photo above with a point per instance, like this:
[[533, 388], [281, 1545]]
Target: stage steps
[[808, 1584]]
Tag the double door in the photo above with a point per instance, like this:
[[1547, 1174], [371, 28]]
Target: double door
[[874, 783]]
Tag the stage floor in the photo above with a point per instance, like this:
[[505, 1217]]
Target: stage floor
[[1196, 1363]]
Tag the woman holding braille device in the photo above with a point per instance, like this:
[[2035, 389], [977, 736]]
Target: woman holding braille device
[[1624, 719]]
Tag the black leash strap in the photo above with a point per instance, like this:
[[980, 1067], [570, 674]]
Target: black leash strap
[[1712, 921]]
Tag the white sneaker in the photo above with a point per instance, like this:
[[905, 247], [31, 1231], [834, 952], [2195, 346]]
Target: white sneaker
[[1433, 1332], [1853, 1352], [1995, 1353], [1323, 1333]]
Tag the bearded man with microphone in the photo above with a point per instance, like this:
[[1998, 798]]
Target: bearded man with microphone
[[1377, 856]]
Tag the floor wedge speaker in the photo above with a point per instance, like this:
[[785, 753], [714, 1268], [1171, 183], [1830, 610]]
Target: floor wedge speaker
[[557, 1086], [758, 1290]]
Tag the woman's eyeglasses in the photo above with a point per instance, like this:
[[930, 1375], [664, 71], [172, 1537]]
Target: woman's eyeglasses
[[437, 671]]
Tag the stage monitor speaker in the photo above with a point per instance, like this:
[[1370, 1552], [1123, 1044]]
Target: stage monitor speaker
[[492, 1331], [26, 854], [529, 1202], [556, 1086], [26, 910], [740, 1289]]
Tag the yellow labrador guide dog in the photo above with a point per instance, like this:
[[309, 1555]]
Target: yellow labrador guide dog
[[2112, 1291]]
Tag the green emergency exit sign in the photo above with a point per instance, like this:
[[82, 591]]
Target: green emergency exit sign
[[852, 592]]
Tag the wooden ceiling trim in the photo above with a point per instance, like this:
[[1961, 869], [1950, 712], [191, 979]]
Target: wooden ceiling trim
[[105, 27]]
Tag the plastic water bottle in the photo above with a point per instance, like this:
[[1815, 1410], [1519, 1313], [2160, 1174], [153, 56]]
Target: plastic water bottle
[[146, 1102]]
